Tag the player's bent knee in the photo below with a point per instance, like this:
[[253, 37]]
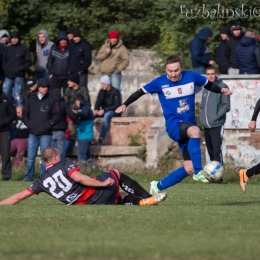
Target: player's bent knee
[[194, 132], [189, 168]]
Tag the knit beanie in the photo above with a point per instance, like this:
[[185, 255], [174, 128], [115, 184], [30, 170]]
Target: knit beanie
[[15, 34], [74, 78], [76, 33], [225, 30], [105, 79], [113, 35], [70, 30]]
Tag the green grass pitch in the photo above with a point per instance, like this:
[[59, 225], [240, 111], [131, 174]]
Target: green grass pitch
[[196, 222]]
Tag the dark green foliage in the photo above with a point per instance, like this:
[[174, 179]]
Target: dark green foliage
[[177, 30], [95, 18], [141, 23]]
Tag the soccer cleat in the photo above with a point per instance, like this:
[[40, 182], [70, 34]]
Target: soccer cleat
[[155, 199], [243, 179], [153, 188], [200, 177]]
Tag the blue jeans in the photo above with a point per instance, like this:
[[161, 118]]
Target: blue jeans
[[15, 84], [200, 70], [115, 79], [83, 80], [106, 122], [33, 143], [59, 142], [84, 152], [45, 75], [69, 145]]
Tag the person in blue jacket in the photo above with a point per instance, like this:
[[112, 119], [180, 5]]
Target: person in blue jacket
[[84, 128], [246, 54], [200, 55]]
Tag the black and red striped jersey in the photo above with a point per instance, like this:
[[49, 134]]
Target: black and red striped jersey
[[56, 182]]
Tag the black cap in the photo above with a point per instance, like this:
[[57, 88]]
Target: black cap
[[30, 82], [42, 82], [70, 30]]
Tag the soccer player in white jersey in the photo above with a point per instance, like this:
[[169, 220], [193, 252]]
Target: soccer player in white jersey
[[176, 94]]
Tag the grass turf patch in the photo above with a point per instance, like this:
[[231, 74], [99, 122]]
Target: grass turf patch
[[197, 221]]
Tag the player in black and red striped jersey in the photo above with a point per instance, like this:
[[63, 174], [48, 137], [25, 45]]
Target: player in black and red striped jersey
[[63, 181]]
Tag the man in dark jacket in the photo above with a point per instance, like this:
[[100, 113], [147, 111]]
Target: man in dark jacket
[[108, 100], [4, 35], [40, 114], [75, 89], [58, 63], [69, 33], [231, 45], [7, 116], [246, 54], [221, 54], [200, 55], [20, 141], [16, 61], [58, 133], [80, 57], [214, 107]]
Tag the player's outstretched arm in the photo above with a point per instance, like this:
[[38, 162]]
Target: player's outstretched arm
[[87, 181], [16, 198], [255, 114], [132, 98], [211, 86], [226, 91], [252, 126]]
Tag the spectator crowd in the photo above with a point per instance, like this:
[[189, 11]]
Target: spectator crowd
[[57, 110]]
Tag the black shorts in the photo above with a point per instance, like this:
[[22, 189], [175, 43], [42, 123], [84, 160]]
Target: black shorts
[[104, 195], [183, 138]]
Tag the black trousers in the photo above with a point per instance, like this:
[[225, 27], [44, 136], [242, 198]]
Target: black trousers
[[5, 155], [213, 139], [59, 82]]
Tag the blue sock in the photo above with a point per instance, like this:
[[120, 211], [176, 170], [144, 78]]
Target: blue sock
[[195, 153], [172, 179]]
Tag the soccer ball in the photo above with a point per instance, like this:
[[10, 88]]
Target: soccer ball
[[213, 171]]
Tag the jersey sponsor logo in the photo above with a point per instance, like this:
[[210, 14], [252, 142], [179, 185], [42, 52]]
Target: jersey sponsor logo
[[128, 189], [72, 166], [183, 106], [165, 86], [179, 91], [72, 197]]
